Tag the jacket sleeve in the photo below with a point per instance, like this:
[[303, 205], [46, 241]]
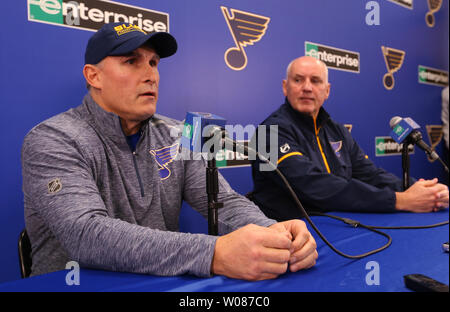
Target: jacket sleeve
[[364, 169], [320, 190], [59, 188]]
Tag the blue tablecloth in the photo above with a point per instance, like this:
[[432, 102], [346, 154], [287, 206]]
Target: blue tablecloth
[[412, 251]]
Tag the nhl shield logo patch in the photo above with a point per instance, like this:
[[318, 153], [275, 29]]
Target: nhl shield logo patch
[[285, 148], [54, 186]]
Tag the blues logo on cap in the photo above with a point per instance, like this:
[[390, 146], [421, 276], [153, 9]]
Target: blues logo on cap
[[121, 38]]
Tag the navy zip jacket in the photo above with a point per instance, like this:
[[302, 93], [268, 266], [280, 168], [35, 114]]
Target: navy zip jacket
[[324, 165]]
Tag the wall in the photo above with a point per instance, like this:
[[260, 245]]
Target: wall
[[40, 76]]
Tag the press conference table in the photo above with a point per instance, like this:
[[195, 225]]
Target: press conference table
[[411, 251]]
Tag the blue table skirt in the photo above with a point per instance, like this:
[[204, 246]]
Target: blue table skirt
[[412, 251]]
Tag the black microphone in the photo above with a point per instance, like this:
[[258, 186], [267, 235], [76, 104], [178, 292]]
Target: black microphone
[[406, 131]]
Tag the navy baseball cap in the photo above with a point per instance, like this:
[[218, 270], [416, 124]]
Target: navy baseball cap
[[122, 38]]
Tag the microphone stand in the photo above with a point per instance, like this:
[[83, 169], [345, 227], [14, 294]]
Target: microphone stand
[[405, 165], [212, 189]]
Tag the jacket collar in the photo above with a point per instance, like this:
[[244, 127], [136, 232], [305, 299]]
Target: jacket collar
[[306, 119], [108, 123]]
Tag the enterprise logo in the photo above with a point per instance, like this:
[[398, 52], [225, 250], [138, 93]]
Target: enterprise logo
[[386, 146], [93, 14], [433, 76], [333, 57], [231, 158]]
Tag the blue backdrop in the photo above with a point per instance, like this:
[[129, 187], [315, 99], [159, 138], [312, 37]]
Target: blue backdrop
[[41, 75]]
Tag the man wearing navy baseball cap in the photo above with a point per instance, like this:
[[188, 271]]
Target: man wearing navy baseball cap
[[119, 39], [103, 186], [121, 70]]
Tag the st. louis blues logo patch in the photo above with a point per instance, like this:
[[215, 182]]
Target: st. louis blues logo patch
[[336, 146], [164, 156]]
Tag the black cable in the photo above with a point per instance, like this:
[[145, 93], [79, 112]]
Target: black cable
[[248, 150], [351, 222], [408, 227], [357, 223]]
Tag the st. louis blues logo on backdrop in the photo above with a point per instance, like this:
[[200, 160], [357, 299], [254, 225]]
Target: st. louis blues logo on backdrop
[[434, 6], [246, 29], [164, 156], [435, 134], [394, 60]]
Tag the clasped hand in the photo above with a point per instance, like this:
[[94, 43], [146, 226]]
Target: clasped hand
[[423, 196], [257, 253]]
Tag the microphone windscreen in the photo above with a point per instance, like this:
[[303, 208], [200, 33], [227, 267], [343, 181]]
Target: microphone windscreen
[[394, 121]]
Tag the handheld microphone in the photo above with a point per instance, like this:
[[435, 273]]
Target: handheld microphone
[[404, 130]]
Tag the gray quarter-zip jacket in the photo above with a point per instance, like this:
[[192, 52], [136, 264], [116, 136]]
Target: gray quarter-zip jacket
[[89, 198]]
